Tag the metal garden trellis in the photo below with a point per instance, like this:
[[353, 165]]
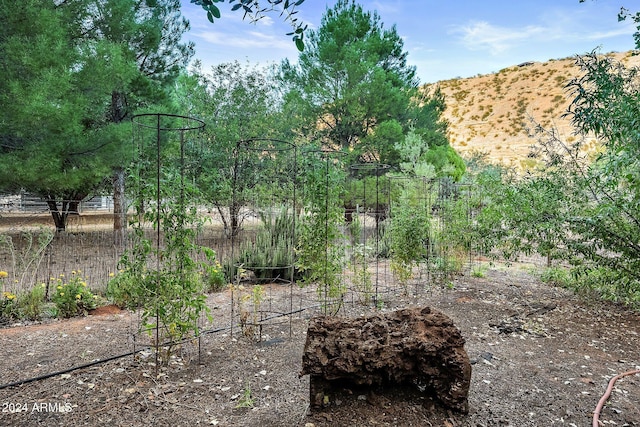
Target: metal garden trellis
[[380, 212], [322, 170], [267, 169], [161, 140]]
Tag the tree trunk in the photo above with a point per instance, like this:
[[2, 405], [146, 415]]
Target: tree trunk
[[118, 113], [59, 216], [236, 221], [119, 208]]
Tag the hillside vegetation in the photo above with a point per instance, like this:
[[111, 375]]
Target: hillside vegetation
[[490, 113]]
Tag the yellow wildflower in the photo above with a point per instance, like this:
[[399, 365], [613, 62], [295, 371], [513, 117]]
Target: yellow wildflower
[[3, 274], [78, 296], [58, 287], [61, 294], [73, 272], [111, 274]]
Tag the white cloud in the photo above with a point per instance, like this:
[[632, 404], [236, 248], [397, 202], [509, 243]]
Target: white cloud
[[385, 8], [266, 21], [484, 36], [245, 40], [601, 35]]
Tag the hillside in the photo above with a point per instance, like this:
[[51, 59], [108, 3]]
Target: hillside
[[489, 113]]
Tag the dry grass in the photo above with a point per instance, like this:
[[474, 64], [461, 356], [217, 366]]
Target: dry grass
[[490, 113]]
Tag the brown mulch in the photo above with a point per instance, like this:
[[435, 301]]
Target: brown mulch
[[541, 357]]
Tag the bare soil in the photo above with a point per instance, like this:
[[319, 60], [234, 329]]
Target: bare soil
[[541, 357], [490, 113]]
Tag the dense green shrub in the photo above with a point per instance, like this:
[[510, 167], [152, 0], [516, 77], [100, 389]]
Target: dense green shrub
[[73, 298], [30, 304], [124, 290], [213, 273], [320, 245], [408, 234]]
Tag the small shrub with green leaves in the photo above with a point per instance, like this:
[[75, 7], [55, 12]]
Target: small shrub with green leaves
[[213, 273], [409, 233], [26, 305], [446, 266], [606, 284], [479, 271], [30, 304], [124, 290], [556, 276], [246, 400], [320, 244], [73, 298], [8, 306]]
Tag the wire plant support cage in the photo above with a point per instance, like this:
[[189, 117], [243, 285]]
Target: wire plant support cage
[[265, 217], [166, 147]]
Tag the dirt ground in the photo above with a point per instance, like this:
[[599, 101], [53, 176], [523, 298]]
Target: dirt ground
[[540, 355]]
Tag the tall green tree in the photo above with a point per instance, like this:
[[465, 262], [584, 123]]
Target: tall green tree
[[355, 89], [53, 141], [149, 32], [606, 104], [78, 68], [237, 102], [353, 79]]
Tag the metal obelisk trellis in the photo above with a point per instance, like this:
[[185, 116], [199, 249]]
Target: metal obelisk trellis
[[264, 202], [161, 144], [373, 203]]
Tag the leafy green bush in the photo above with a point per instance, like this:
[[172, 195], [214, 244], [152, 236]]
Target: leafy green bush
[[479, 271], [320, 244], [557, 276], [213, 273], [8, 306], [606, 284], [123, 290], [449, 264], [27, 305], [30, 304], [73, 298], [408, 234]]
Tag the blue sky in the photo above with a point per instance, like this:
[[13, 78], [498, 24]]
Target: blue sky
[[445, 39]]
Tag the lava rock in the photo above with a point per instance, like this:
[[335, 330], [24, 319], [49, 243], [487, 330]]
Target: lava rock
[[420, 347]]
